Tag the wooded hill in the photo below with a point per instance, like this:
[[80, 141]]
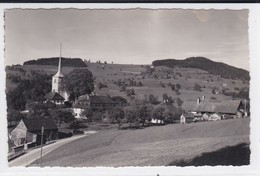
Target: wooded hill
[[66, 62], [214, 68]]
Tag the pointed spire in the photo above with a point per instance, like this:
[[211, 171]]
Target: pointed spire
[[59, 74], [59, 68]]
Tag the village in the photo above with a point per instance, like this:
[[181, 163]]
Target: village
[[97, 111]]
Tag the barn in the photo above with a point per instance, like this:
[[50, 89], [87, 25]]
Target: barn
[[29, 130]]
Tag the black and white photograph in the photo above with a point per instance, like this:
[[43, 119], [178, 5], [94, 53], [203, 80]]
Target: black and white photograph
[[127, 87]]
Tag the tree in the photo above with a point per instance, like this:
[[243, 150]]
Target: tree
[[172, 86], [122, 88], [131, 114], [87, 112], [116, 115], [130, 92], [152, 99], [97, 116], [101, 85], [33, 89], [120, 100], [79, 82], [145, 113], [14, 115], [179, 101], [158, 113], [197, 87], [165, 97], [178, 86], [62, 116]]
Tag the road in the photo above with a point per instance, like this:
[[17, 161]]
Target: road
[[34, 154]]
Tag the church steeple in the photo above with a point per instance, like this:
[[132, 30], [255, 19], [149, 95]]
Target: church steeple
[[57, 79], [58, 82], [59, 74]]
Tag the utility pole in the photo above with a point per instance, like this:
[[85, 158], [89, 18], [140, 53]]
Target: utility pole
[[42, 143]]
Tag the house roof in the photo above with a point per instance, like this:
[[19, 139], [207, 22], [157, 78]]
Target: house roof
[[101, 99], [227, 106], [53, 96], [37, 123]]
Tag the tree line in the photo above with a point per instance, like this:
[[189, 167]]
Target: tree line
[[54, 61]]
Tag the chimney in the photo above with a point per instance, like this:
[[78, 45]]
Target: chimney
[[203, 97]]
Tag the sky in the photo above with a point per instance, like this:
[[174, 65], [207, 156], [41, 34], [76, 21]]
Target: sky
[[129, 36]]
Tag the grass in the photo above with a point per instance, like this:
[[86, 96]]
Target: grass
[[157, 146]]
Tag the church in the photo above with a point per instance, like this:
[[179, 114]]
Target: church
[[58, 94]]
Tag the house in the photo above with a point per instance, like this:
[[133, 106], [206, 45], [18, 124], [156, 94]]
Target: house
[[80, 105], [30, 130], [54, 97], [101, 102], [187, 118], [229, 107]]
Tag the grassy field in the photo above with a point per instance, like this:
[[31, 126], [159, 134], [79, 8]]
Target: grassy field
[[206, 143]]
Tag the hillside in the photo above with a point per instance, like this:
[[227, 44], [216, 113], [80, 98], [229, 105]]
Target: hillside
[[158, 146], [156, 81], [214, 68]]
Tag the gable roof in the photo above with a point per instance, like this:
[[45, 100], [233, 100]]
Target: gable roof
[[101, 99], [37, 123], [228, 106], [53, 96]]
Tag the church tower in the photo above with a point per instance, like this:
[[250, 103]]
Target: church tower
[[58, 81]]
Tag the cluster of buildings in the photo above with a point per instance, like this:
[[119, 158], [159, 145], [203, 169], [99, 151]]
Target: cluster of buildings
[[30, 131]]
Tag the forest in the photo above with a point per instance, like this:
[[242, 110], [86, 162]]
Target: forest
[[54, 61]]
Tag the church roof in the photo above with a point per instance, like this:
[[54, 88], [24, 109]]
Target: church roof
[[53, 96], [59, 74]]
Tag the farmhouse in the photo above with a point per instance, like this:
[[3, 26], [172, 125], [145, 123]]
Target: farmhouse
[[101, 102], [29, 130], [233, 108], [94, 102]]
